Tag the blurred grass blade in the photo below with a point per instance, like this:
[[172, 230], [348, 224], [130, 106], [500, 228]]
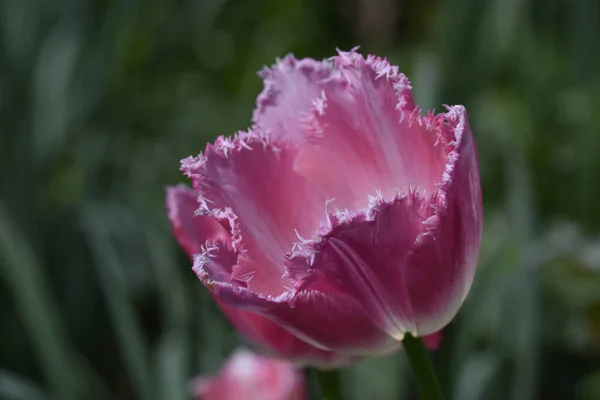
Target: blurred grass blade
[[523, 304], [171, 369], [525, 327], [14, 387], [387, 378], [588, 387], [477, 376], [23, 274], [132, 342], [174, 353]]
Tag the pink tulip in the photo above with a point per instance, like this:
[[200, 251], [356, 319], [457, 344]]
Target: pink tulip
[[343, 215], [247, 376]]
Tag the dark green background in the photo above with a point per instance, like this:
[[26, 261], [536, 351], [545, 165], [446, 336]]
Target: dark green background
[[99, 99]]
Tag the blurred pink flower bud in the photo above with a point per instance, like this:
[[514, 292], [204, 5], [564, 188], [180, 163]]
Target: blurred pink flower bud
[[247, 376], [343, 215]]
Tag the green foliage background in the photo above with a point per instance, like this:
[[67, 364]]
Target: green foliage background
[[99, 99]]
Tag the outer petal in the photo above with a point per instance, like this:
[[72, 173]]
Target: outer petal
[[364, 256], [278, 342], [330, 321], [247, 376], [440, 270], [192, 232], [273, 339]]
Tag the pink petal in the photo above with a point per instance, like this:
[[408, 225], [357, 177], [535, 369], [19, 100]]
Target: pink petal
[[360, 127], [440, 270], [250, 182], [290, 89]]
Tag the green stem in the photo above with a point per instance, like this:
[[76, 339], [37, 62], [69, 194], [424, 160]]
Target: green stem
[[418, 357], [324, 385]]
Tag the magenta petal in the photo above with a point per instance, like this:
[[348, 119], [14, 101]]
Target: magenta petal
[[440, 270], [433, 341], [333, 321], [275, 340], [364, 257]]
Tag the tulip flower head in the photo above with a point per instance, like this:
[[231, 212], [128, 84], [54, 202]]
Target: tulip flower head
[[247, 376], [343, 215]]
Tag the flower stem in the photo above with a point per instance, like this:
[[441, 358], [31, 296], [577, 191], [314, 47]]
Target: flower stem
[[427, 382], [324, 385]]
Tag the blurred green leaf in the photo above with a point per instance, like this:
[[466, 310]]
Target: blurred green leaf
[[100, 99], [109, 268], [13, 387], [589, 387], [24, 276]]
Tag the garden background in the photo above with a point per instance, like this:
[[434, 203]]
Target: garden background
[[100, 99]]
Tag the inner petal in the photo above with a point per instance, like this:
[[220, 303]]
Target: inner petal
[[192, 232], [356, 123], [362, 142], [273, 205], [290, 88], [365, 134]]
